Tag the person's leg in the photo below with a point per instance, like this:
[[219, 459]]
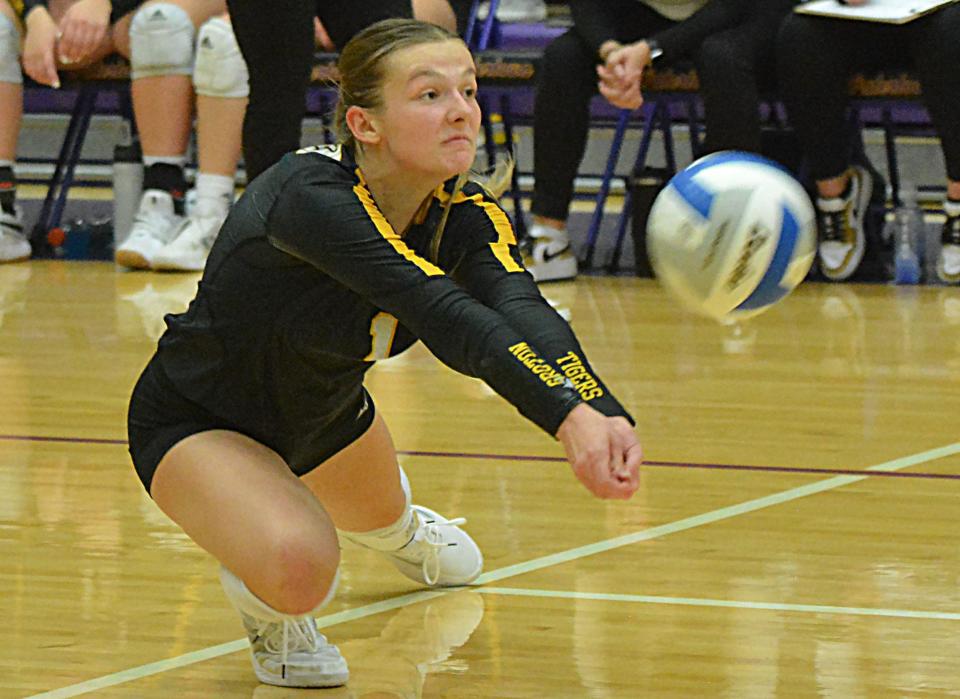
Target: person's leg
[[277, 44], [344, 18], [567, 81], [561, 120], [728, 86], [159, 38], [422, 544], [734, 67], [814, 64], [14, 245], [220, 81], [238, 500], [815, 58], [936, 54]]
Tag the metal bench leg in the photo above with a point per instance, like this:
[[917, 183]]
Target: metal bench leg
[[55, 201], [890, 144], [594, 230], [660, 117]]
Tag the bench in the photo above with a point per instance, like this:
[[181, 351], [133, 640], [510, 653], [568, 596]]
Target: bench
[[495, 69], [500, 73]]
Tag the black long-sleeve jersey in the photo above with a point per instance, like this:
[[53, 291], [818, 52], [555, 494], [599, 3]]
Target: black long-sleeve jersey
[[307, 285]]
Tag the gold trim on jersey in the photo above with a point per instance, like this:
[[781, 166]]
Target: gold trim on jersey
[[17, 6], [505, 235], [501, 224], [386, 230]]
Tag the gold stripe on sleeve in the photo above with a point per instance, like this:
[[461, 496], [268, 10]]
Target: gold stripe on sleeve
[[386, 230], [505, 235]]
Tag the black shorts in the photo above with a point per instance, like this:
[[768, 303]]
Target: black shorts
[[159, 417]]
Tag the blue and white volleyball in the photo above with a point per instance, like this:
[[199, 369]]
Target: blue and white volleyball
[[731, 234]]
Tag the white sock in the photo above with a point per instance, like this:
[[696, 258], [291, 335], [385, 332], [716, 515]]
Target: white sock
[[6, 163], [951, 208], [178, 160], [251, 605], [538, 230], [393, 536], [214, 194]]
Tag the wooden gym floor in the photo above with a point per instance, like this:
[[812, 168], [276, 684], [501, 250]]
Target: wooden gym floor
[[795, 534]]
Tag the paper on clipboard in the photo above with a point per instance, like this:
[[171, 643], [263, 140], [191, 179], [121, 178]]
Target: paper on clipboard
[[886, 11]]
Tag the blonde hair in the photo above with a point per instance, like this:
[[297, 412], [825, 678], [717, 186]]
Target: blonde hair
[[362, 75], [362, 64]]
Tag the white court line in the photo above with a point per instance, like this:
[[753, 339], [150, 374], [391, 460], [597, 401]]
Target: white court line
[[730, 604], [179, 661]]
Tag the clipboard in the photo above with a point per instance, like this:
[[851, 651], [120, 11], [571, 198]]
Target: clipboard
[[883, 11]]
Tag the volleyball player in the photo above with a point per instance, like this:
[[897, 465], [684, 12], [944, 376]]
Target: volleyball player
[[250, 426]]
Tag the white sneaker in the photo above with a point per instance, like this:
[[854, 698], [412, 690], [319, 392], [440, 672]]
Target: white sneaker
[[293, 653], [948, 261], [14, 245], [286, 650], [551, 257], [529, 11], [440, 554], [840, 222], [153, 227], [191, 244]]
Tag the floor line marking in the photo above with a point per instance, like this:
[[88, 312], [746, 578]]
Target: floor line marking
[[193, 657], [731, 604], [811, 470], [711, 517]]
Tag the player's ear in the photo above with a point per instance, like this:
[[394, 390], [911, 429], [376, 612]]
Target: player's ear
[[363, 125]]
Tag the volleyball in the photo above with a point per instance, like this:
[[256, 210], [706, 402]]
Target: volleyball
[[731, 234]]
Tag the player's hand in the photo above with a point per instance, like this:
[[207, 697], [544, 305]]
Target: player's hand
[[621, 74], [39, 46], [604, 452], [82, 30]]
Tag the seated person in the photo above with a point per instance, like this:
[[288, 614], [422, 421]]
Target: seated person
[[817, 57], [158, 38], [14, 245], [732, 45]]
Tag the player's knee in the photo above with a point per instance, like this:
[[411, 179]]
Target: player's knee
[[302, 574], [220, 70], [9, 52], [161, 41]]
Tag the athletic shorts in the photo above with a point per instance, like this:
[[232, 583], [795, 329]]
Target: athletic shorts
[[159, 417]]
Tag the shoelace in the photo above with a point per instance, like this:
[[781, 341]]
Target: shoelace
[[831, 226], [433, 537], [290, 636]]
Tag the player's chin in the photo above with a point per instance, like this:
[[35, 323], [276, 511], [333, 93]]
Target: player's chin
[[458, 162]]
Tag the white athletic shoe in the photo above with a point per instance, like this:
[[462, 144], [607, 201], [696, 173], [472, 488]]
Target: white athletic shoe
[[14, 245], [551, 257], [840, 223], [153, 227], [948, 261], [286, 651], [293, 653], [191, 244], [440, 554]]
